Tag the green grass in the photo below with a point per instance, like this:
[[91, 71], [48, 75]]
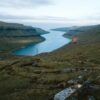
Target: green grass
[[42, 76]]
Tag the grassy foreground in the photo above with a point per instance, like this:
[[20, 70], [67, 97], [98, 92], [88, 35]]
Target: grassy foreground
[[40, 77]]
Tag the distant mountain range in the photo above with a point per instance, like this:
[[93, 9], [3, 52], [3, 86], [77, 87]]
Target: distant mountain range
[[65, 29]]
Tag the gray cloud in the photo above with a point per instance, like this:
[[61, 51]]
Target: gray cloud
[[23, 3], [12, 17], [95, 17]]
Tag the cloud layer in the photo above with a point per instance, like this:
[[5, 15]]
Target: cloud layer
[[23, 3], [73, 11]]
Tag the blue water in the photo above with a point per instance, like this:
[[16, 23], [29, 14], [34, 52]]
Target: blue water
[[53, 41]]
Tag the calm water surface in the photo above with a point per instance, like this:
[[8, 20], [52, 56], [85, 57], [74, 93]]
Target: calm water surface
[[53, 41]]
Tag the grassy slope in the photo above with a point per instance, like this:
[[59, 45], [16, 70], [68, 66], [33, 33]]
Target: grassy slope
[[28, 78], [9, 44], [14, 35], [87, 50], [13, 30]]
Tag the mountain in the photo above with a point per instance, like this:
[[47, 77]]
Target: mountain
[[64, 29], [18, 30], [13, 35], [85, 33], [61, 29]]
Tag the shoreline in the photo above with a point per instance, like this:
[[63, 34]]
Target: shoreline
[[8, 53], [50, 51], [42, 39]]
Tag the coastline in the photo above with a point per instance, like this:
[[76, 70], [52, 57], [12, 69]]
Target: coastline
[[8, 53]]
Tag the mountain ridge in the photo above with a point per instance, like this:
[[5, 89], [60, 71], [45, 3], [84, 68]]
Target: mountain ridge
[[14, 29]]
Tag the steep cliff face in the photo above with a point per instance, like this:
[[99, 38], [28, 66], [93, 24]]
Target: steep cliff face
[[14, 35], [17, 30]]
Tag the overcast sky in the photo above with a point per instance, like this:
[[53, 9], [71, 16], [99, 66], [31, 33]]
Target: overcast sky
[[63, 11]]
